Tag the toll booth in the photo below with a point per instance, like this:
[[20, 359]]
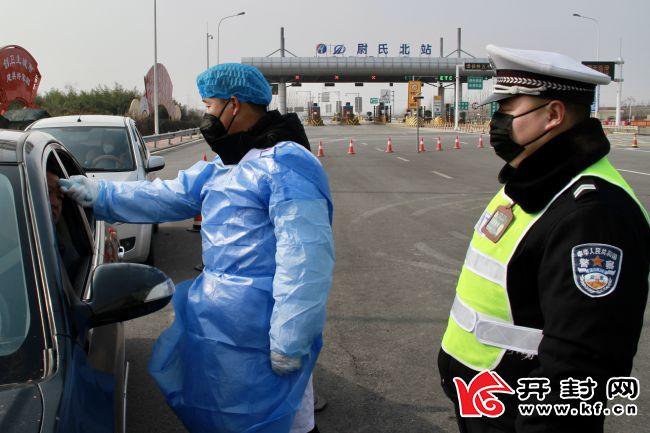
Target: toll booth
[[382, 113], [449, 114], [314, 110], [347, 115], [314, 118], [348, 111]]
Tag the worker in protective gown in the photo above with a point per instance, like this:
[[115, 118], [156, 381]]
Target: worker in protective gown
[[247, 331]]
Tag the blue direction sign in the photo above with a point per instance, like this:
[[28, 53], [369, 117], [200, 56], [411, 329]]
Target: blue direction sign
[[475, 83]]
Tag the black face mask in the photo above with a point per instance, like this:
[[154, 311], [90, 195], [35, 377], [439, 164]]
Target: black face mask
[[230, 148], [501, 135], [212, 128]]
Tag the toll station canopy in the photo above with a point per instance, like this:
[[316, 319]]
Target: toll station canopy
[[367, 69]]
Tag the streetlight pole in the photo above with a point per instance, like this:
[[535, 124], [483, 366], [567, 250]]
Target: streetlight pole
[[219, 29], [597, 55], [208, 36], [457, 98], [155, 69]]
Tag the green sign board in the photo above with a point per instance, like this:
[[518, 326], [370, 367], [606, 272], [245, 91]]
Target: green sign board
[[446, 78], [494, 106], [475, 83], [463, 106], [374, 100]]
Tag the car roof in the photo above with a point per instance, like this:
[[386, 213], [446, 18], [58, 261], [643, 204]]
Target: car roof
[[17, 145], [80, 120], [9, 140]]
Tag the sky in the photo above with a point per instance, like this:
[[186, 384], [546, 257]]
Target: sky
[[85, 43]]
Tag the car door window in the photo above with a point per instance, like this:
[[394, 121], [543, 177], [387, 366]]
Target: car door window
[[75, 237], [144, 152], [71, 168], [21, 331]]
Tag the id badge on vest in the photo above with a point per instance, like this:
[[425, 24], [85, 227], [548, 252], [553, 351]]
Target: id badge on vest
[[498, 223]]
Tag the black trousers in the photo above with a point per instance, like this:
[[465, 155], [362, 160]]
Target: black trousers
[[465, 425], [475, 425]]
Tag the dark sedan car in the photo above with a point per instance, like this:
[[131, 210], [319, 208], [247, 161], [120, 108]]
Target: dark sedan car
[[62, 360]]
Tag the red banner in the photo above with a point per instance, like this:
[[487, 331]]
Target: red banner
[[19, 77]]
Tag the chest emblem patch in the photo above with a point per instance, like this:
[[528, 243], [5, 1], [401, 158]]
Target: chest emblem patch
[[596, 268]]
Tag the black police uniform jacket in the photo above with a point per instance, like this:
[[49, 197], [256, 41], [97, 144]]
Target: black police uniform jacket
[[583, 336]]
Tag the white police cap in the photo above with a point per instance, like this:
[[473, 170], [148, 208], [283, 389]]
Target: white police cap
[[541, 73]]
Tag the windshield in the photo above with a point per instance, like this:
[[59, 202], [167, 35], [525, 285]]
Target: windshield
[[97, 148], [21, 338]]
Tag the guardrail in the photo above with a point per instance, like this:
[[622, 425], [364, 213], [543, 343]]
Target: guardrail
[[169, 136], [628, 129]]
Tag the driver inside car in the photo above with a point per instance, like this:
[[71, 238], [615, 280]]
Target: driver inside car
[[112, 155], [67, 251]]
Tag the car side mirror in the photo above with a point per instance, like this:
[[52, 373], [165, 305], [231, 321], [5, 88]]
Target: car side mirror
[[125, 291], [155, 163]]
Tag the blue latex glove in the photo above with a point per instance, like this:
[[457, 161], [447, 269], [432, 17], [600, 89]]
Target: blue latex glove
[[282, 364], [81, 189]]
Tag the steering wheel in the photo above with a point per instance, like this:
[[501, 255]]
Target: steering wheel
[[106, 157]]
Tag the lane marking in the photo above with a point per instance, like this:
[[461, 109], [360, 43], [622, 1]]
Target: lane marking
[[378, 149], [423, 265], [459, 236], [451, 204], [365, 144], [635, 172], [442, 174], [403, 159], [441, 257], [372, 212]]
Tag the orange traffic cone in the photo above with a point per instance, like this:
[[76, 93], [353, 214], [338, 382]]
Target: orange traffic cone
[[439, 145], [457, 143], [321, 153], [389, 146], [351, 148], [480, 141], [421, 146], [634, 142]]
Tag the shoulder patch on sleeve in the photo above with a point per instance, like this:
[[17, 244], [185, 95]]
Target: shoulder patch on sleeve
[[583, 188], [596, 268]]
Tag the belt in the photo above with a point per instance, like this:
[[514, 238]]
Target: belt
[[495, 332]]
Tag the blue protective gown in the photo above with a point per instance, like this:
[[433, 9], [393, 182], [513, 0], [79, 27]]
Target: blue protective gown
[[268, 254]]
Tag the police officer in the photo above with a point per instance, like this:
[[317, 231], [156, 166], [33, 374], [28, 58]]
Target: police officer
[[555, 281]]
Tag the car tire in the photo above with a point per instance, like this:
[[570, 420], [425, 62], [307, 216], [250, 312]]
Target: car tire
[[155, 228], [150, 258]]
